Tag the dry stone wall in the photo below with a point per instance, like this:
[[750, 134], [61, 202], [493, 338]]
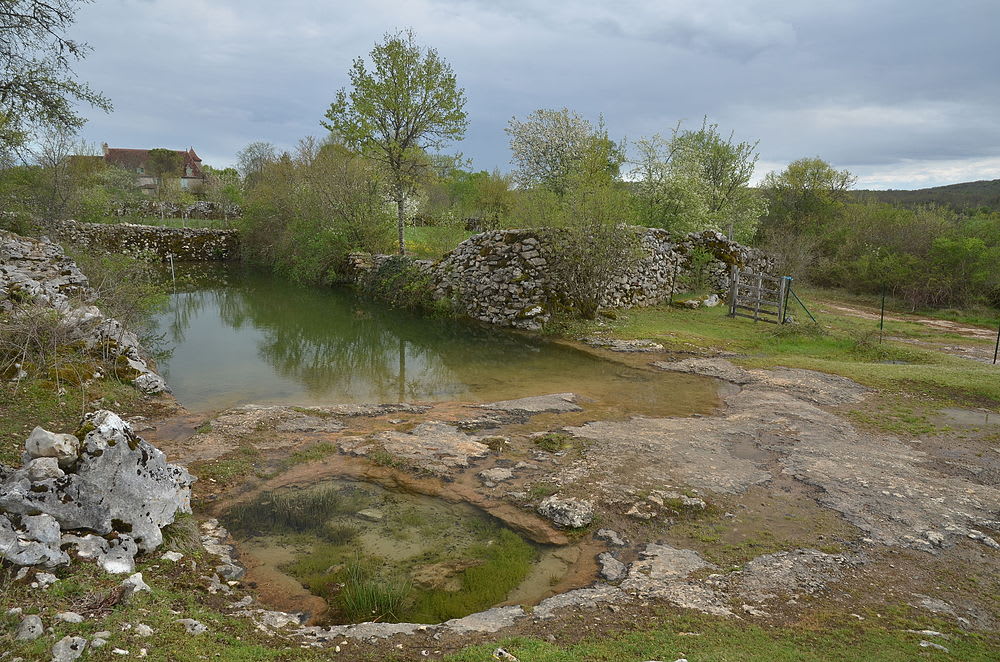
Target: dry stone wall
[[502, 277], [195, 244]]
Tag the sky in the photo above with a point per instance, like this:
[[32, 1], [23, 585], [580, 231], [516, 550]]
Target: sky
[[903, 93]]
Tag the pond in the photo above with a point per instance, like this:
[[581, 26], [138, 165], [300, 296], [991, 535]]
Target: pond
[[236, 336]]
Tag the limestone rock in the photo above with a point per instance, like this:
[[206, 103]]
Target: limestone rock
[[43, 468], [42, 443], [120, 481], [86, 547], [192, 626], [611, 568], [20, 547], [569, 513], [610, 536], [69, 617], [554, 402], [496, 474], [119, 559], [68, 649], [30, 627]]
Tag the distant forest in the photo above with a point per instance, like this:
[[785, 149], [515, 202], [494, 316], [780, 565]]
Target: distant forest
[[960, 197]]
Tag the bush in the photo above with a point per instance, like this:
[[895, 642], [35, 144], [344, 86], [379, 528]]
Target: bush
[[305, 214], [400, 281]]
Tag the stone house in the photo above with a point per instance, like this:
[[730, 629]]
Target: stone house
[[137, 161]]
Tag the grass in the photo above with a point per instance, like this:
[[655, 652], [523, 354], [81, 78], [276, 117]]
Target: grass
[[541, 490], [237, 466], [37, 402], [507, 560], [175, 595], [724, 640], [292, 510], [314, 453], [431, 243], [840, 344], [368, 595], [554, 441]]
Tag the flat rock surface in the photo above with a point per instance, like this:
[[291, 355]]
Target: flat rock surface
[[554, 402]]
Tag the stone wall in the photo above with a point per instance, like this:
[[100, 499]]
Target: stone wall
[[502, 277], [195, 244]]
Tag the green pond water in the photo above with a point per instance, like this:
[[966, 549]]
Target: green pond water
[[235, 336], [376, 554]]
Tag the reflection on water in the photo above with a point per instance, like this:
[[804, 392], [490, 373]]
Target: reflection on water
[[237, 336]]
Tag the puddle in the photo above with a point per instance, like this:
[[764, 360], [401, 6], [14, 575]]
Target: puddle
[[371, 554], [975, 417]]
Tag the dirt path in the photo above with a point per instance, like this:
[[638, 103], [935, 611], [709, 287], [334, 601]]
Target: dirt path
[[981, 348]]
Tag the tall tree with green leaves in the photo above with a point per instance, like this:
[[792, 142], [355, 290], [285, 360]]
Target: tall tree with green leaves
[[407, 103], [38, 88], [806, 197]]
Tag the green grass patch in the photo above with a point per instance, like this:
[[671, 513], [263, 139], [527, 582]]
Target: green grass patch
[[840, 344], [240, 464], [432, 242], [37, 402], [507, 561], [725, 640], [314, 453], [293, 510], [554, 441]]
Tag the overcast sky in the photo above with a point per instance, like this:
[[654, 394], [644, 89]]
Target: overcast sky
[[904, 93]]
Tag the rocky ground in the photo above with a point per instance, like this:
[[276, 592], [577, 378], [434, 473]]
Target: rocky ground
[[774, 508]]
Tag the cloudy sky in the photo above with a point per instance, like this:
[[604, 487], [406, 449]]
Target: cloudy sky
[[904, 93]]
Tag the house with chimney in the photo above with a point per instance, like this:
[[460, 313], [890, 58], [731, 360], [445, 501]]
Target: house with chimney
[[146, 170]]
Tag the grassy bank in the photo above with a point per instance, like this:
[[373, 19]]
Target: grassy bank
[[840, 343]]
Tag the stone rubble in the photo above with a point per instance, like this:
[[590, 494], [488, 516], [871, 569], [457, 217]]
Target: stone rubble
[[37, 272]]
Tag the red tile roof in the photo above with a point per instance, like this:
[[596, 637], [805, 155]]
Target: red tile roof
[[137, 158]]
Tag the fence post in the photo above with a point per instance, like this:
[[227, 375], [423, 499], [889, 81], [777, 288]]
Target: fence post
[[760, 293], [783, 298], [996, 350], [881, 318], [734, 274]]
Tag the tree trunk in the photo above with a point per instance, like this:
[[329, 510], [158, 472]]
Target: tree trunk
[[400, 216]]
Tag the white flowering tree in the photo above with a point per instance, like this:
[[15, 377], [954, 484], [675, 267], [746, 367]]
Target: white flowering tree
[[698, 180], [550, 145]]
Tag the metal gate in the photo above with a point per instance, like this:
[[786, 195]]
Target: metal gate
[[758, 296]]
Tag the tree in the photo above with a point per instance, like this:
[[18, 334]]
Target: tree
[[805, 197], [551, 144], [164, 163], [37, 84], [408, 103], [698, 180], [222, 187], [252, 159]]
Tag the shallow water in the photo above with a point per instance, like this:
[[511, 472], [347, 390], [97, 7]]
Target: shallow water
[[425, 542], [238, 336]]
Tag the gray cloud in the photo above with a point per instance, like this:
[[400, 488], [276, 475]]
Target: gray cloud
[[903, 92]]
